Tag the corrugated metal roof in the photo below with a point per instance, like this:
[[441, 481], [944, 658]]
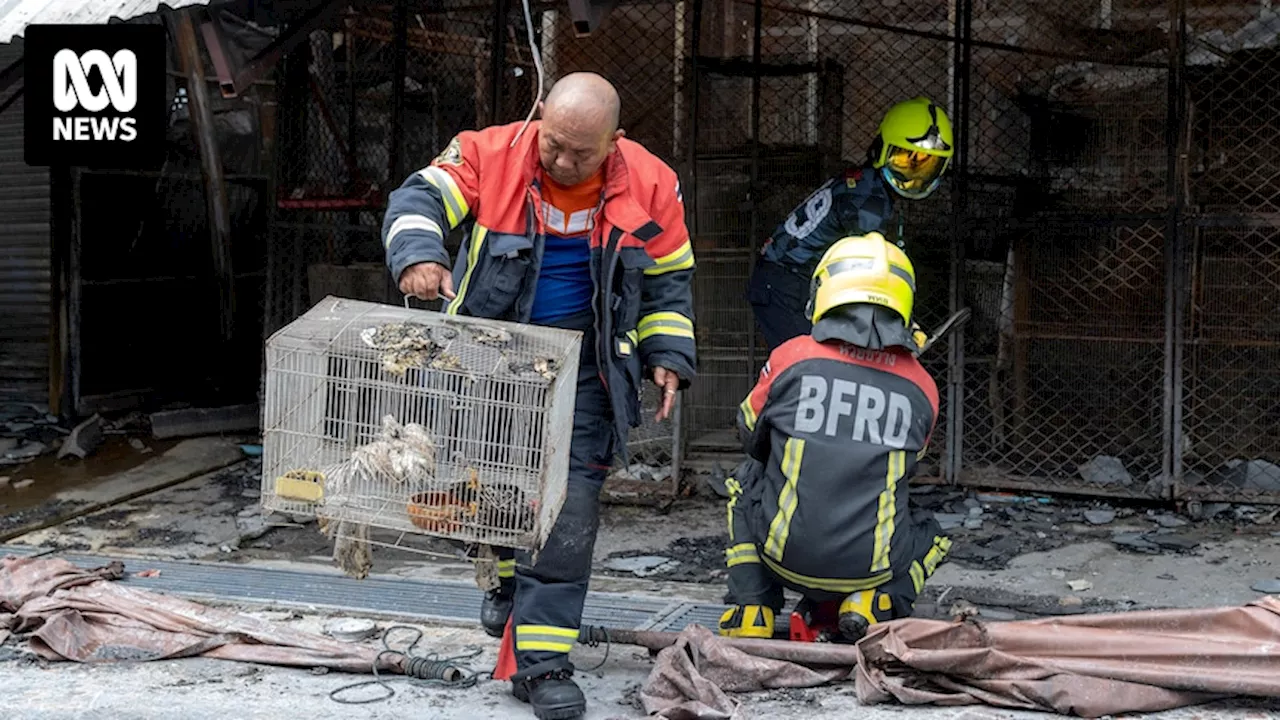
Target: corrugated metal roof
[[16, 15]]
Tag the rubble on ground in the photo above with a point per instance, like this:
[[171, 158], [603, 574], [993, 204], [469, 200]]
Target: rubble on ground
[[991, 528]]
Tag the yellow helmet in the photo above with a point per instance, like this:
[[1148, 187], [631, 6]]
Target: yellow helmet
[[914, 147], [864, 269]]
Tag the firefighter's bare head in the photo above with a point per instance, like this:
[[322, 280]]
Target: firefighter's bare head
[[579, 127]]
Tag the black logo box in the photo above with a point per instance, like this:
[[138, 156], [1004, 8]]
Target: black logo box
[[149, 116]]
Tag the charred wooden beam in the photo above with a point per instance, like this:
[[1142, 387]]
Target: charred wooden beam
[[11, 99], [202, 128], [234, 80], [13, 73], [400, 60]]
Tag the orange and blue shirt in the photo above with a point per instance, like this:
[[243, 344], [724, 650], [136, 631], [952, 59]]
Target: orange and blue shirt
[[565, 285]]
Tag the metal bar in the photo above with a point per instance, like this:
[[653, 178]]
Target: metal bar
[[497, 57], [756, 40], [797, 652], [202, 127], [74, 294], [1171, 249], [13, 73], [229, 177], [212, 32], [1042, 485], [1178, 165], [12, 99], [986, 45], [399, 68], [62, 227], [348, 40], [953, 463], [695, 51], [1205, 220], [281, 46]]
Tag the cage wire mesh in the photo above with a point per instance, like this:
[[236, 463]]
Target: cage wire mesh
[[1059, 216], [1230, 399], [419, 423]]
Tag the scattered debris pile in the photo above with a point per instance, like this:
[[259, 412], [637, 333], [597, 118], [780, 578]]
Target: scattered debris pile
[[991, 528], [26, 433]]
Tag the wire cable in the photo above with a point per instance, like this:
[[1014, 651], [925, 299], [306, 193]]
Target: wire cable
[[538, 65], [594, 637], [428, 669]]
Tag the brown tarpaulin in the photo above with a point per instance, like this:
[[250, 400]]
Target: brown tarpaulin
[[1085, 665], [80, 615]]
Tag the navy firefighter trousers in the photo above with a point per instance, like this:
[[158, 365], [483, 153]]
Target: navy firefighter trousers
[[549, 595]]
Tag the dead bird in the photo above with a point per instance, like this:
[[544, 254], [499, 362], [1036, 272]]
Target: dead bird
[[400, 455], [546, 368], [402, 346], [493, 504], [493, 337]]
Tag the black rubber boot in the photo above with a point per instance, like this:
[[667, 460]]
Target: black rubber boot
[[550, 689], [853, 627], [495, 609]]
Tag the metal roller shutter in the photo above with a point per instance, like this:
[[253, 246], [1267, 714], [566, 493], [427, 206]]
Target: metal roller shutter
[[25, 263]]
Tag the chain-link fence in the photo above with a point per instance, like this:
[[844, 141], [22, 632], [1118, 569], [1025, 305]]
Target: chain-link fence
[[1112, 218], [1064, 364]]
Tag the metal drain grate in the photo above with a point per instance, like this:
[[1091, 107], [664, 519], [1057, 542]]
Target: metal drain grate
[[454, 601]]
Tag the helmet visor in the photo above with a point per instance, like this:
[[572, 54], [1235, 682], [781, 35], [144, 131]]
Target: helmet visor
[[911, 172]]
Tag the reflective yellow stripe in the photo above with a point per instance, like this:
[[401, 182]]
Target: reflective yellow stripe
[[888, 513], [748, 413], [413, 222], [624, 347], [681, 259], [941, 546], [478, 234], [792, 456], [840, 585], [547, 638], [455, 204], [917, 577], [665, 323], [735, 490], [507, 568], [741, 554]]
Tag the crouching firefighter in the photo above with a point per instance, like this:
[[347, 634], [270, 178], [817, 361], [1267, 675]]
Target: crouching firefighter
[[833, 430]]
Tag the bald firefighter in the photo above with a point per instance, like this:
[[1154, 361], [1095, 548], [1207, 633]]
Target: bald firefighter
[[833, 430], [911, 151]]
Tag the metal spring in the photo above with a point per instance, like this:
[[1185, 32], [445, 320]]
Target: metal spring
[[425, 668]]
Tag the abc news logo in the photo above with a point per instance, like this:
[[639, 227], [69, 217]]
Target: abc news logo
[[96, 95], [71, 91]]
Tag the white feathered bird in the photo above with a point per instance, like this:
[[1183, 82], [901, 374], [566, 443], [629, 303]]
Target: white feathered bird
[[402, 454]]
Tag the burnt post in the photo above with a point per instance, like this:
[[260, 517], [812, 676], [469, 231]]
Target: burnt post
[[497, 61], [400, 59], [202, 128]]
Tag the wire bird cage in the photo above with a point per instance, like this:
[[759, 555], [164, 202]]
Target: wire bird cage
[[385, 418]]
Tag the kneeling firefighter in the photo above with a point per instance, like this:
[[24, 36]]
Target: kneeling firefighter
[[833, 430]]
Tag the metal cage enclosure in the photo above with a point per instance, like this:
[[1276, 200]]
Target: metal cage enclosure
[[418, 422]]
